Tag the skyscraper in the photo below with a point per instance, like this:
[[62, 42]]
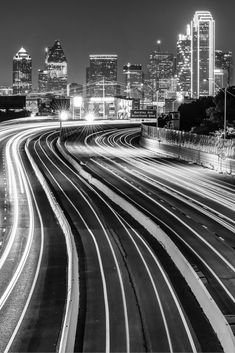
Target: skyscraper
[[22, 72], [102, 76], [202, 54], [55, 74], [223, 67], [133, 80], [160, 71], [183, 62]]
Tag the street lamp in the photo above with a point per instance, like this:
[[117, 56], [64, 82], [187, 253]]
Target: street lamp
[[63, 116], [179, 99], [77, 103]]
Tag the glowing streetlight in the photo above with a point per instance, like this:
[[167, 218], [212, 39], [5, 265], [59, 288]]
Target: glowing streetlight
[[77, 103], [179, 99], [90, 117], [63, 116]]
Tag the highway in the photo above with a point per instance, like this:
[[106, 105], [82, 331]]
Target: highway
[[130, 296], [181, 194]]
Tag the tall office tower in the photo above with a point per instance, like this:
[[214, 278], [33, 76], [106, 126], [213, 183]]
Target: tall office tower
[[223, 67], [42, 80], [160, 71], [101, 76], [202, 54], [133, 80], [183, 62], [57, 69], [22, 72]]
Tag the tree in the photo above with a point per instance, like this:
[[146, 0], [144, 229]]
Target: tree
[[195, 113]]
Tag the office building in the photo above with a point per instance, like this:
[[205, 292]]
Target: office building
[[74, 89], [102, 76], [22, 72], [202, 54], [223, 68], [183, 62], [133, 78], [42, 80], [160, 71], [53, 78]]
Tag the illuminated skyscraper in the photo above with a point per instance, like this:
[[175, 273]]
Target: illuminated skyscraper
[[223, 67], [183, 64], [22, 72], [133, 80], [56, 69], [160, 72], [102, 76], [202, 54], [42, 80]]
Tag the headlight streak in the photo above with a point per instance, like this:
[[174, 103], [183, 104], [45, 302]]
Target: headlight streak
[[107, 348], [122, 221], [147, 269], [192, 230], [112, 251], [192, 202], [37, 269], [25, 254]]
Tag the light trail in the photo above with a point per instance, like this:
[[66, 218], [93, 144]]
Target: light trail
[[147, 269], [104, 156], [107, 349]]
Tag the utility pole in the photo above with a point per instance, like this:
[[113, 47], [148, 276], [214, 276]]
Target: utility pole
[[103, 99], [225, 112]]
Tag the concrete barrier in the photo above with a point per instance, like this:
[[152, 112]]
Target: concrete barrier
[[208, 160], [208, 305], [68, 332]]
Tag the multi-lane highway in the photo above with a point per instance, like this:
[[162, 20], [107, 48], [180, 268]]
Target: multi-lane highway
[[77, 270]]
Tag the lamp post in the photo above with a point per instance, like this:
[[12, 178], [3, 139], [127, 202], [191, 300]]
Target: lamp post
[[63, 116], [77, 103], [225, 112], [225, 107]]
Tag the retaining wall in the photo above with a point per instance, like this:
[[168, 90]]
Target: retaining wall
[[210, 152]]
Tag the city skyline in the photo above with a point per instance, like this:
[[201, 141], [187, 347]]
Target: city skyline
[[130, 31]]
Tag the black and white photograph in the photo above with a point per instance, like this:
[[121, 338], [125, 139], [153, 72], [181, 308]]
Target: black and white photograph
[[117, 176]]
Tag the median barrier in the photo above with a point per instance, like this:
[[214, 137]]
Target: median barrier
[[67, 336], [208, 305]]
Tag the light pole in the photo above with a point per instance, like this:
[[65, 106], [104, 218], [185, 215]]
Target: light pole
[[63, 116], [77, 103], [225, 107], [157, 108], [225, 112]]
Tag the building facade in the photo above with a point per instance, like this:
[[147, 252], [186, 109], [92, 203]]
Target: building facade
[[53, 78], [160, 72], [22, 72], [101, 76], [183, 62], [133, 78], [202, 54], [223, 68]]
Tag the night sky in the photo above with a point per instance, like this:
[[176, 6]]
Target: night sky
[[128, 28]]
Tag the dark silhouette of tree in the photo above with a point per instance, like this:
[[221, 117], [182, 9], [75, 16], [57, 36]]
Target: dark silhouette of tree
[[195, 113]]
